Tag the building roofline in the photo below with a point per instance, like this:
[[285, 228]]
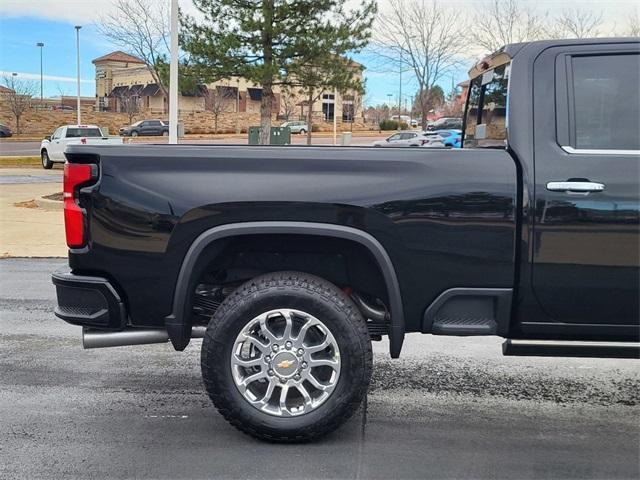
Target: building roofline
[[118, 56]]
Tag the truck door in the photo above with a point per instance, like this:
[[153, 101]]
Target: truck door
[[56, 145], [586, 252]]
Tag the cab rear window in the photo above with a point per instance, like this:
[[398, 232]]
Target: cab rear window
[[486, 111], [83, 132]]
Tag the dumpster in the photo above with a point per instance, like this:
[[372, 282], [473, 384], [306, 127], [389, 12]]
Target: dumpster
[[254, 135], [279, 136]]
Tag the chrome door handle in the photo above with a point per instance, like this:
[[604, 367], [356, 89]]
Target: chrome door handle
[[582, 187]]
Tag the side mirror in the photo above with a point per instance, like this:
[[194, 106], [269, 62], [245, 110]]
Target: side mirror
[[48, 137]]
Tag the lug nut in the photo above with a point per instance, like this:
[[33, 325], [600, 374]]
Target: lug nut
[[267, 358], [270, 373], [304, 365], [300, 352], [283, 380], [296, 377], [288, 345], [275, 348]]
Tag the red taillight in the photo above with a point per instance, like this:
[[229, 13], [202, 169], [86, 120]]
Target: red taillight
[[74, 175]]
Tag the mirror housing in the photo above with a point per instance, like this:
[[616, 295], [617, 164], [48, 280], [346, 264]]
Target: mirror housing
[[48, 137]]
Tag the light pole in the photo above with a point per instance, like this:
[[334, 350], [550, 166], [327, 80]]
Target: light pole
[[405, 109], [389, 95], [40, 44], [78, 27], [173, 75], [400, 94], [238, 106]]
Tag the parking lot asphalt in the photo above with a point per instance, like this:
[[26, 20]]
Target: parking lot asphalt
[[449, 408]]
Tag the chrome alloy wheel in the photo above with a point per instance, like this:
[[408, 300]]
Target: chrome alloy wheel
[[285, 362]]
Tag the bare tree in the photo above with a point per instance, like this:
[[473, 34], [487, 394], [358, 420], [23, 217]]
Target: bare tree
[[289, 101], [141, 28], [422, 37], [375, 114], [496, 23], [62, 93], [18, 96], [633, 25], [129, 102], [358, 103], [576, 23], [216, 101]]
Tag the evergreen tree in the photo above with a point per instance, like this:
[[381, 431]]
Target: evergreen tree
[[267, 41]]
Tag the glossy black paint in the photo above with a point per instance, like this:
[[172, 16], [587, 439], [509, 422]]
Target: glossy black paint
[[446, 218], [470, 218], [590, 288]]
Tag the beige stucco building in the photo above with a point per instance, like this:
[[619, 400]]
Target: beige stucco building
[[120, 75]]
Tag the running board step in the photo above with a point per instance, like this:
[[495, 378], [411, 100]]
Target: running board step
[[463, 326], [561, 348]]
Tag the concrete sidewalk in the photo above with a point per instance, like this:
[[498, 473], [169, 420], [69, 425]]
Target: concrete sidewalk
[[27, 230]]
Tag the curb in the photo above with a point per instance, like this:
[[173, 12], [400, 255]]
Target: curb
[[47, 204]]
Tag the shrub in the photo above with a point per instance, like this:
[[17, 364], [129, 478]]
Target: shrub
[[392, 125], [388, 125]]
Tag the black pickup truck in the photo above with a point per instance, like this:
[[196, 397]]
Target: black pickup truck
[[290, 260]]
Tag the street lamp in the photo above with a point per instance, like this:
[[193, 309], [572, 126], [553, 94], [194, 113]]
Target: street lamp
[[40, 44], [78, 27], [238, 106], [400, 94], [173, 73]]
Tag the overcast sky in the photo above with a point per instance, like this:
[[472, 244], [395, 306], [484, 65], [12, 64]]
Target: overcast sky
[[23, 23]]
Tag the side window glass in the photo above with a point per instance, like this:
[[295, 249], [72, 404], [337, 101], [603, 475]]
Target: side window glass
[[56, 135], [486, 116], [473, 105], [606, 112]]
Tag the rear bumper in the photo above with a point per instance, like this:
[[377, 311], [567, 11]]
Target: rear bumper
[[88, 301]]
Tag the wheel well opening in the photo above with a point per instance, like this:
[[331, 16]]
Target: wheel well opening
[[227, 263]]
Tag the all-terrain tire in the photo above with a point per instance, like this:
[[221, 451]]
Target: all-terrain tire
[[47, 164], [293, 290]]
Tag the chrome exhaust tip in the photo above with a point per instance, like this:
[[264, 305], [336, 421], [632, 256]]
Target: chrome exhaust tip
[[132, 336]]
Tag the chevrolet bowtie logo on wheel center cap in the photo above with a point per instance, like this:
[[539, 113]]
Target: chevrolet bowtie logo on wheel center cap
[[285, 364]]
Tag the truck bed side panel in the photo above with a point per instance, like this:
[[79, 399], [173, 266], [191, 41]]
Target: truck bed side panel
[[445, 217]]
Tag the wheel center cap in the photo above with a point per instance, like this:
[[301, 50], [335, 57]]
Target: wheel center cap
[[285, 364]]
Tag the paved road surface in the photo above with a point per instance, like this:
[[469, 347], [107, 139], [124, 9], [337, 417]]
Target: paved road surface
[[450, 408], [15, 148], [19, 148]]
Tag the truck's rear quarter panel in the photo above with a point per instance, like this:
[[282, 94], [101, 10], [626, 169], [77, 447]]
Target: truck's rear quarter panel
[[447, 218]]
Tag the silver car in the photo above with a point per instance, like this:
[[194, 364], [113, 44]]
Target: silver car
[[297, 126], [408, 139], [432, 140]]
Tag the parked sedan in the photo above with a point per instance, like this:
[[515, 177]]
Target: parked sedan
[[296, 126], [445, 124], [145, 128], [432, 140], [401, 139], [5, 131]]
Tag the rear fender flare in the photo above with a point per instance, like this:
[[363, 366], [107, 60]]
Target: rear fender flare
[[177, 322]]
